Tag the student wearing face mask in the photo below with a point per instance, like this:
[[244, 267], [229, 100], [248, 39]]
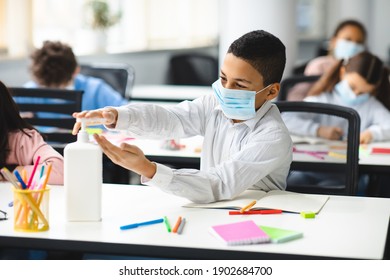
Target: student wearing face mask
[[348, 40], [246, 144], [361, 83], [54, 65]]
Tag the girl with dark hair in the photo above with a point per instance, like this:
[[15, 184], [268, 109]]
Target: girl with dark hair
[[362, 83], [21, 144], [348, 39]]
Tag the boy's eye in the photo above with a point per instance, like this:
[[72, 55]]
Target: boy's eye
[[240, 86], [223, 79]]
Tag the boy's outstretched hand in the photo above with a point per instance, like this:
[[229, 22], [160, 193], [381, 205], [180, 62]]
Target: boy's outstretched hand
[[110, 116], [128, 156]]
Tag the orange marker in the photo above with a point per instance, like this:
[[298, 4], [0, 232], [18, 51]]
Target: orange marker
[[177, 225]]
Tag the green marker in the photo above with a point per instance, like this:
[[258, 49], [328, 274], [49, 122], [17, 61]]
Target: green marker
[[166, 222]]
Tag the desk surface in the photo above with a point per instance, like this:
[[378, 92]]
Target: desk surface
[[347, 227]]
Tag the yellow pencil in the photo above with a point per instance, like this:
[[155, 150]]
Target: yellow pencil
[[337, 155], [47, 176], [24, 176], [243, 209]]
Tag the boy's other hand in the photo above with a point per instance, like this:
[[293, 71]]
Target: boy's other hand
[[330, 132], [365, 137]]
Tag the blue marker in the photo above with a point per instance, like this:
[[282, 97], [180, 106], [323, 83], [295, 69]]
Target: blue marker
[[142, 224], [24, 186]]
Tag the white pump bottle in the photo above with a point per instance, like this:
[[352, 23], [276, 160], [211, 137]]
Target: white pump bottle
[[83, 178]]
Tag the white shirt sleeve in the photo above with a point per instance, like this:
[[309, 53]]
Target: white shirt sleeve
[[235, 157]]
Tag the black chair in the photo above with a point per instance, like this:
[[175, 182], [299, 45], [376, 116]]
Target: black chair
[[295, 85], [56, 128], [193, 69], [120, 76], [349, 168]]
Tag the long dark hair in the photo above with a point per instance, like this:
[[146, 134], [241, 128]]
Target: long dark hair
[[10, 120], [368, 66]]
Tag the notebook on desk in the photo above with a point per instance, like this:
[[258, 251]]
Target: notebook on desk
[[240, 233], [297, 139], [275, 199]]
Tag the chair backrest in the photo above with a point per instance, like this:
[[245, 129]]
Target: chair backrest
[[295, 88], [193, 69], [120, 76], [349, 167], [50, 111]]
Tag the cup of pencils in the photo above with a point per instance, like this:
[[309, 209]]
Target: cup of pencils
[[31, 209], [31, 198]]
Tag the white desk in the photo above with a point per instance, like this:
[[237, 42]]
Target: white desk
[[168, 93], [347, 227]]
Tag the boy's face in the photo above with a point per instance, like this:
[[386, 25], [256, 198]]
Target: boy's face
[[236, 73]]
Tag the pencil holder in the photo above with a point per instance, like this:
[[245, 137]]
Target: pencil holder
[[31, 210]]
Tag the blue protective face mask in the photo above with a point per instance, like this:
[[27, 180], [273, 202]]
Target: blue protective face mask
[[236, 104], [345, 49], [348, 96]]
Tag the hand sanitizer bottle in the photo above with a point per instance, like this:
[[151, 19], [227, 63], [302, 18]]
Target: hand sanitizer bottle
[[83, 178]]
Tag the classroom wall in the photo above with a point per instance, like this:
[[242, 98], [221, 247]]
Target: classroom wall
[[151, 67]]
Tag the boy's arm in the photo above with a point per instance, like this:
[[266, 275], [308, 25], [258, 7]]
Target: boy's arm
[[185, 119], [263, 163]]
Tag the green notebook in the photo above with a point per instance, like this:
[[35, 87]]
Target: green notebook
[[279, 235]]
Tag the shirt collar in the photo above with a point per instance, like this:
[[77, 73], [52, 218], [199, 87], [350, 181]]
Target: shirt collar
[[251, 123]]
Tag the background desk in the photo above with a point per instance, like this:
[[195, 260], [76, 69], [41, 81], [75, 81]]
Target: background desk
[[347, 227], [168, 93]]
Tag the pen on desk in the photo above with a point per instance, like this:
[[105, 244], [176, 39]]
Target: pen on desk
[[243, 209], [257, 212], [167, 225], [316, 154], [180, 229], [178, 222], [135, 225], [22, 183]]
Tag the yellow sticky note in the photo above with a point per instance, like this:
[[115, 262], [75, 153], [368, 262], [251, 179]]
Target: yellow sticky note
[[308, 215]]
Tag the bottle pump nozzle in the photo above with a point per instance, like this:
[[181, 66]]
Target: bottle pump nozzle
[[82, 136]]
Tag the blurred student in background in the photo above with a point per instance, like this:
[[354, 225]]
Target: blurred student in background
[[361, 83], [54, 65], [348, 39]]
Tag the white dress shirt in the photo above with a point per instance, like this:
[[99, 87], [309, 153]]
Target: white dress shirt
[[235, 156]]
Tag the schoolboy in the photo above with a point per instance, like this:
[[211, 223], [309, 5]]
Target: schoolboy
[[246, 144]]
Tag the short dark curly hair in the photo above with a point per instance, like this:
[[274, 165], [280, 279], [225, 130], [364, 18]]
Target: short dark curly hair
[[264, 52], [53, 65]]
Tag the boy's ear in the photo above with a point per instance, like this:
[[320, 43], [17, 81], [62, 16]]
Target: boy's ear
[[273, 91]]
